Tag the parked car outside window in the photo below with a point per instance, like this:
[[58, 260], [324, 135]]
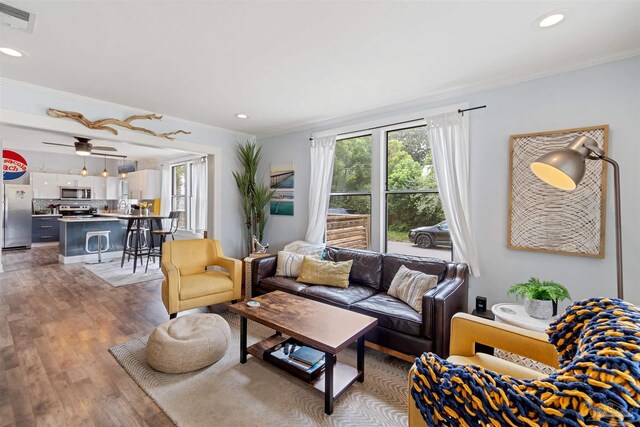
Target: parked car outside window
[[430, 236]]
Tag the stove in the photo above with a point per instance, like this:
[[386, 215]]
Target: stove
[[75, 211]]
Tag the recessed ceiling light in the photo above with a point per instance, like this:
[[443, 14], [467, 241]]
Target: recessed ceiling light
[[242, 116], [552, 18], [11, 52]]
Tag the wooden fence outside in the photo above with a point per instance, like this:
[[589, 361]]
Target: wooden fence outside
[[348, 231]]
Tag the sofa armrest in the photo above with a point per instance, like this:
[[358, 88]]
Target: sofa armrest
[[262, 268], [440, 304], [234, 267], [172, 289], [415, 417], [467, 330]]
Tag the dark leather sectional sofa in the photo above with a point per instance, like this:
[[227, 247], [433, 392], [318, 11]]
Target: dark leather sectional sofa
[[399, 327]]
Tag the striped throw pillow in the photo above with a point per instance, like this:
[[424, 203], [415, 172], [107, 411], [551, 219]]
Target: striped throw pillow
[[410, 285], [289, 264]]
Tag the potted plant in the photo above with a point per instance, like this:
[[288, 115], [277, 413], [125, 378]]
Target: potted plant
[[254, 197], [144, 208], [540, 298]]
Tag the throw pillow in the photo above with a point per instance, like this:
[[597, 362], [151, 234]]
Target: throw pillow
[[305, 248], [410, 285], [289, 264], [328, 273]]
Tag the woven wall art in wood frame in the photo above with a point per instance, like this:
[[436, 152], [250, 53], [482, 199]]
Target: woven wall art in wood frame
[[545, 219]]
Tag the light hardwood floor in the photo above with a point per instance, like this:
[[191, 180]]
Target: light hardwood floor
[[57, 323]]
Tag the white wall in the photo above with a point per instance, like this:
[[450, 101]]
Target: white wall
[[604, 94], [33, 101], [69, 164]]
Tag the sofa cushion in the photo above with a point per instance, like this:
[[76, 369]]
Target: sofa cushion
[[342, 297], [410, 286], [329, 273], [391, 263], [209, 283], [279, 283], [289, 264], [391, 313], [367, 265]]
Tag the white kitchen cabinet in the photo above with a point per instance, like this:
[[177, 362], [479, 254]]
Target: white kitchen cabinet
[[86, 181], [99, 187], [113, 188], [144, 184], [45, 185], [67, 180]]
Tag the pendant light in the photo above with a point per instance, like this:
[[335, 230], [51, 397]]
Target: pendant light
[[123, 175], [84, 171], [105, 172]]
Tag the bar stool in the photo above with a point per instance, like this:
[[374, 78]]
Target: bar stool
[[174, 216], [99, 235]]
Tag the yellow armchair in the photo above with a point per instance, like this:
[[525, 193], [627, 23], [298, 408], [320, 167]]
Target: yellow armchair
[[189, 284], [467, 330]]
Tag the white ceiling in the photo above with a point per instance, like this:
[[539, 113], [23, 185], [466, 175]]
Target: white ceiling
[[292, 63], [14, 137]]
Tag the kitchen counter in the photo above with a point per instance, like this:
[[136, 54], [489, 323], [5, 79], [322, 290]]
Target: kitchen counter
[[73, 236], [35, 215], [90, 219]]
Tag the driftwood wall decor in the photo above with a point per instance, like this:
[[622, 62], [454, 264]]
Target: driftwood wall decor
[[103, 124], [546, 219]]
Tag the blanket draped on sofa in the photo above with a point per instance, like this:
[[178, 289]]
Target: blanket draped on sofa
[[598, 383]]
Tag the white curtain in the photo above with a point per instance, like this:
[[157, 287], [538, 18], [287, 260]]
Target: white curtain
[[450, 148], [322, 151], [199, 198], [165, 194]]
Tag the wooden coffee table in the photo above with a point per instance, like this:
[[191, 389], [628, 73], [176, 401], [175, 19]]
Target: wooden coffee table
[[324, 327]]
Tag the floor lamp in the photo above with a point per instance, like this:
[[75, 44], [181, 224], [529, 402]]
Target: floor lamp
[[564, 169]]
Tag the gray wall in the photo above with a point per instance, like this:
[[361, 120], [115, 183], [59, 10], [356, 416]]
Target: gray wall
[[604, 94]]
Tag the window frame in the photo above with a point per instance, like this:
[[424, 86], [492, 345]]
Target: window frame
[[386, 192], [369, 193], [187, 196]]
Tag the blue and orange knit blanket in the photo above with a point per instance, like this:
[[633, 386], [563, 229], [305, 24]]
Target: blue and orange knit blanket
[[598, 383]]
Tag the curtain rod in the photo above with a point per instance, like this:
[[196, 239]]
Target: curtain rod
[[403, 122]]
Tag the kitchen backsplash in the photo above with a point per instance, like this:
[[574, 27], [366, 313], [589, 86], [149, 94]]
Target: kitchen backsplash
[[43, 204]]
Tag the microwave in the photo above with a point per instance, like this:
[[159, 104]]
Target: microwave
[[75, 193]]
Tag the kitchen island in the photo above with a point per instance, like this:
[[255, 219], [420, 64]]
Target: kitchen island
[[73, 232]]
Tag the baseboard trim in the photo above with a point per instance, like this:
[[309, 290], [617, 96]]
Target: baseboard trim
[[390, 352]]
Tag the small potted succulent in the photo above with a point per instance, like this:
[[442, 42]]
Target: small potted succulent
[[540, 298]]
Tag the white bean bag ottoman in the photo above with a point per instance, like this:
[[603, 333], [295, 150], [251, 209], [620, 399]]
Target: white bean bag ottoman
[[188, 343]]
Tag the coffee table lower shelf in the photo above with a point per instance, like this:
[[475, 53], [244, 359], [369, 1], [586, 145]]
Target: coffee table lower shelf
[[343, 375]]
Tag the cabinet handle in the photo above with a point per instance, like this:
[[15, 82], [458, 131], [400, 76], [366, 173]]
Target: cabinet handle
[[45, 237], [45, 226]]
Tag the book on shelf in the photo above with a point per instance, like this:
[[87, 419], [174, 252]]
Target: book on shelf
[[280, 355], [307, 355]]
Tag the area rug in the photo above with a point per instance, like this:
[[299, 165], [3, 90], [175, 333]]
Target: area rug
[[111, 273], [228, 393]]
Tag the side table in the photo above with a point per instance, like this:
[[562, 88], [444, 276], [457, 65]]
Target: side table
[[514, 314], [246, 265]]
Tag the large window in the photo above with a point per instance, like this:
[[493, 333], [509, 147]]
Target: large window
[[348, 219], [181, 193], [415, 221], [387, 201]]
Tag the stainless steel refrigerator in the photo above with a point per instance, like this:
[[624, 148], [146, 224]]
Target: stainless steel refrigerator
[[17, 216]]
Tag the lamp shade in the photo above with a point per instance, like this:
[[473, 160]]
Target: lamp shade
[[562, 168]]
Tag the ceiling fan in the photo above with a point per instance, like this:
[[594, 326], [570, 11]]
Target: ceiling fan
[[85, 148]]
